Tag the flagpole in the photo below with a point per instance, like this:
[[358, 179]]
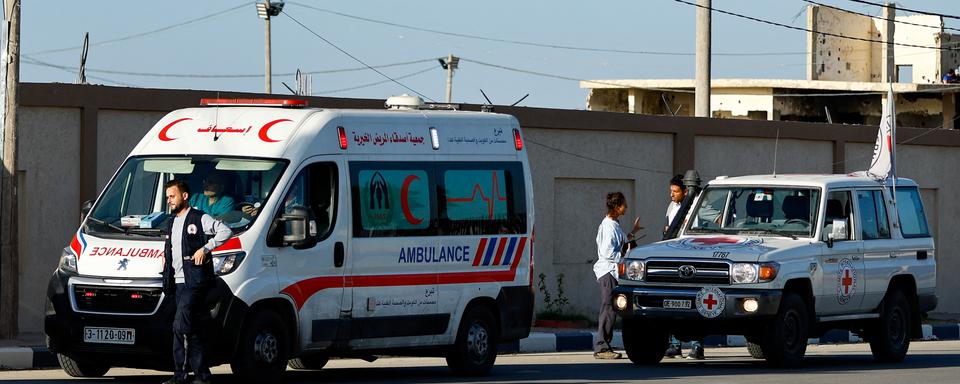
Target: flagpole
[[893, 141]]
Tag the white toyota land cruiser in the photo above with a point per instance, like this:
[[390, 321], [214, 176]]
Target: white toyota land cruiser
[[780, 259]]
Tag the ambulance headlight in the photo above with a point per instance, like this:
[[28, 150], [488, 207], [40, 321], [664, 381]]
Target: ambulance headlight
[[68, 261], [631, 269], [227, 262], [745, 273]]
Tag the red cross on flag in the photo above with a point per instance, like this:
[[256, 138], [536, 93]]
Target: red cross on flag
[[884, 164]]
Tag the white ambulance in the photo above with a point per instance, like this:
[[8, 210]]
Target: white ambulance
[[406, 231]]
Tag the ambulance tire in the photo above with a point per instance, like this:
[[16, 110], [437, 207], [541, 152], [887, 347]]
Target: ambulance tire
[[890, 336], [475, 350], [644, 342], [785, 338], [756, 351], [316, 362], [262, 350], [81, 368]]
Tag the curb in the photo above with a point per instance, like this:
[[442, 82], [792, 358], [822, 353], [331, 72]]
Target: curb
[[27, 358], [540, 342], [537, 342]]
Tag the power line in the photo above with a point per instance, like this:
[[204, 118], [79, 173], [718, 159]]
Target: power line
[[28, 60], [595, 159], [880, 17], [431, 68], [908, 9], [751, 18], [532, 44], [141, 34], [681, 90], [238, 76], [355, 58]]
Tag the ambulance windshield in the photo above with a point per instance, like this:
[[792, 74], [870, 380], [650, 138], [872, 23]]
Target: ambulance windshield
[[229, 189], [756, 210]]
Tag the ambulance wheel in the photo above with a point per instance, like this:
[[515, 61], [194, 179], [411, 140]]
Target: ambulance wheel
[[890, 337], [475, 350], [785, 338], [315, 362], [644, 341], [262, 349], [755, 350], [81, 368]]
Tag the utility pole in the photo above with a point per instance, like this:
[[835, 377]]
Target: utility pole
[[9, 255], [450, 65], [265, 11], [702, 79], [889, 71]]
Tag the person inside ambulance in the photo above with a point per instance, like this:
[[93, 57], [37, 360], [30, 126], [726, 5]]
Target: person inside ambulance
[[213, 201]]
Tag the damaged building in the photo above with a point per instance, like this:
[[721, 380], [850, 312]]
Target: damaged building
[[844, 78]]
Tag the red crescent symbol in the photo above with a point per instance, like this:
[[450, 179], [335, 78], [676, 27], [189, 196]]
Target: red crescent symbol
[[163, 132], [404, 203], [266, 127]]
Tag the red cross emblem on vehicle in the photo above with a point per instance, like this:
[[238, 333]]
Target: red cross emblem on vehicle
[[709, 302], [715, 240], [846, 281]]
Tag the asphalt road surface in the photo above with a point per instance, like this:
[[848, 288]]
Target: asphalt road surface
[[928, 362]]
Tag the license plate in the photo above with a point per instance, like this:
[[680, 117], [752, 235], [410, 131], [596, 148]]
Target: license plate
[[677, 304], [109, 335]]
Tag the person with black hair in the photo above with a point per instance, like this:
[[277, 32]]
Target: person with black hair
[[188, 275], [677, 192], [612, 243]]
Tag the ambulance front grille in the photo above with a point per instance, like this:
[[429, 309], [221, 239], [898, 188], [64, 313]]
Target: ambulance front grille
[[123, 300], [705, 271]]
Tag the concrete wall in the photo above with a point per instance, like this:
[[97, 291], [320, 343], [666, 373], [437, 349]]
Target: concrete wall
[[47, 157], [576, 158], [926, 66], [840, 59]]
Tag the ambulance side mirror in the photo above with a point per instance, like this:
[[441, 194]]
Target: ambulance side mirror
[[298, 229]]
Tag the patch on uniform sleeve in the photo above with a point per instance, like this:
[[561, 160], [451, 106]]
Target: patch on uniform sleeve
[[192, 229]]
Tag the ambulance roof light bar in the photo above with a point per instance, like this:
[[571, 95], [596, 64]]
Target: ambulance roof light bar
[[285, 103]]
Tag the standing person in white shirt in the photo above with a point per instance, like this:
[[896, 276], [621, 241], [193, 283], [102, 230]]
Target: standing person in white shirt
[[611, 244]]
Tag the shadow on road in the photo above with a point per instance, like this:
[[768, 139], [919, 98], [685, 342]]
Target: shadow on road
[[586, 372]]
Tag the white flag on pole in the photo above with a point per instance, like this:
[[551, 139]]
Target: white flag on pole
[[884, 164]]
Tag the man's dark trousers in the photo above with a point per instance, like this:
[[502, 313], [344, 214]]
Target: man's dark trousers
[[189, 325]]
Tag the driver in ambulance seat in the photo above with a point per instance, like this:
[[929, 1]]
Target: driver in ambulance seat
[[214, 201]]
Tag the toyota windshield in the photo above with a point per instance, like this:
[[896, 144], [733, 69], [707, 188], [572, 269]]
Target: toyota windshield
[[751, 210], [230, 189]]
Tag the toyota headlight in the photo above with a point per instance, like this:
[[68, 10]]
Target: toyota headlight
[[631, 269], [68, 261], [227, 262], [745, 273]]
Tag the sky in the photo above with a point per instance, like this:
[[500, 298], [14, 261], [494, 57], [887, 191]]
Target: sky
[[162, 44]]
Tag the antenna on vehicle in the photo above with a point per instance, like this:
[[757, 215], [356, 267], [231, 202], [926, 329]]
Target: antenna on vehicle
[[776, 144], [216, 119], [518, 101]]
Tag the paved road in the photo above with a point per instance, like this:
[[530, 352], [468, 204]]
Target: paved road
[[928, 362]]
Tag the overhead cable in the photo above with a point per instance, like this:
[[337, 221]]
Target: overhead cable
[[533, 44], [908, 9], [287, 14], [751, 18], [141, 34], [425, 70], [242, 76], [881, 18]]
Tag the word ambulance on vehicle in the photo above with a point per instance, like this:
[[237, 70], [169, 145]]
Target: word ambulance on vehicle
[[406, 231]]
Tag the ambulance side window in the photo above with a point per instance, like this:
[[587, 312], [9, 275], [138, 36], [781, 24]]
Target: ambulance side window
[[482, 198], [393, 199], [315, 189]]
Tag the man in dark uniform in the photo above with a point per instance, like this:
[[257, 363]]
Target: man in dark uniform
[[187, 276]]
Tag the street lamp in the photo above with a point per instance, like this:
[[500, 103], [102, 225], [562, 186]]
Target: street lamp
[[265, 11], [450, 64]]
